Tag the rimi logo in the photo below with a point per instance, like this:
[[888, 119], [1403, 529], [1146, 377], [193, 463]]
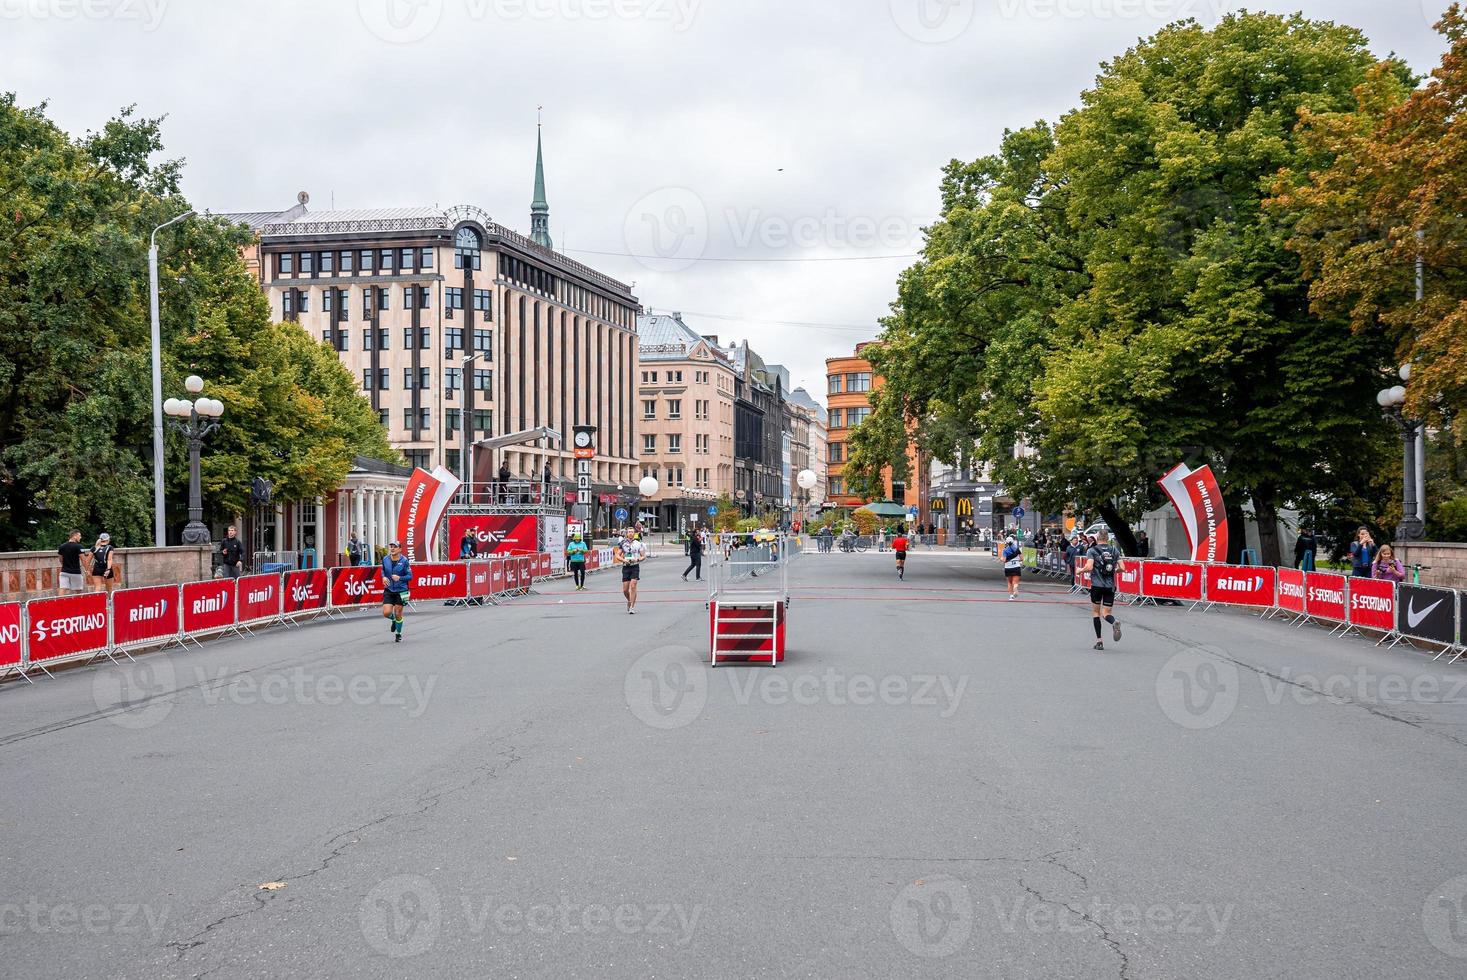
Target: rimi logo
[[210, 604], [258, 596], [152, 611]]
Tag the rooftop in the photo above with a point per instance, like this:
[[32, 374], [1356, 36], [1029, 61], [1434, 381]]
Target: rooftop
[[298, 222]]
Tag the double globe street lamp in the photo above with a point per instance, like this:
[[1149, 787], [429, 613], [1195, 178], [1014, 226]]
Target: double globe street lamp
[[1412, 527], [195, 419]]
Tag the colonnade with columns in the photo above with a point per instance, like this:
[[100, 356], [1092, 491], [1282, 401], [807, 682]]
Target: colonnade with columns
[[373, 516]]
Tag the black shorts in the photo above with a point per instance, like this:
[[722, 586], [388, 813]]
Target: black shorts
[[1101, 596], [901, 556], [631, 573], [1013, 572], [394, 598]]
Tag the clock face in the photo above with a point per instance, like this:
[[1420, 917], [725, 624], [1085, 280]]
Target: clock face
[[583, 439]]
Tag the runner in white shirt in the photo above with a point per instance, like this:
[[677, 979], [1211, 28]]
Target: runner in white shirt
[[630, 553]]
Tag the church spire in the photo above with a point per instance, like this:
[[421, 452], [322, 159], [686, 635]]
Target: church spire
[[539, 207]]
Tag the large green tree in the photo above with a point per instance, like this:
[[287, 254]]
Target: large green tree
[[1136, 304], [75, 388]]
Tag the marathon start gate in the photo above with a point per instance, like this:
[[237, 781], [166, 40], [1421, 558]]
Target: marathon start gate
[[748, 599]]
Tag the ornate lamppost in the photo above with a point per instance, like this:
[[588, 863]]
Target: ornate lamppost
[[195, 420], [1411, 528]]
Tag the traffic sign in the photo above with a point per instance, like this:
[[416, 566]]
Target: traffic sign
[[712, 510], [1019, 513], [621, 515]]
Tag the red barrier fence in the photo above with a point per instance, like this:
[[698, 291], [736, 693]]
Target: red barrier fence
[[1179, 580], [1240, 585], [12, 649], [145, 615], [1291, 590], [1373, 604], [67, 626], [258, 597], [306, 591], [208, 606], [43, 632], [1324, 596]]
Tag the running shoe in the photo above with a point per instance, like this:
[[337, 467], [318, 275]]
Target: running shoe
[[1099, 645], [397, 638], [1115, 631]]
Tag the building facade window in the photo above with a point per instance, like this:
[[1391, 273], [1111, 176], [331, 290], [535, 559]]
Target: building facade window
[[484, 380], [649, 409], [649, 444], [483, 420], [466, 245], [860, 381], [675, 442], [674, 408], [453, 340], [484, 343]]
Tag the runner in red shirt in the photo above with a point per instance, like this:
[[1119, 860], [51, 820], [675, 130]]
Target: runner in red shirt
[[899, 544]]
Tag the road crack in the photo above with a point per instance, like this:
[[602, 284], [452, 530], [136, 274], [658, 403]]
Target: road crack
[[1088, 919], [425, 802]]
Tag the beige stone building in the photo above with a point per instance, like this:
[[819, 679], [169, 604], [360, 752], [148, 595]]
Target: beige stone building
[[685, 419], [448, 319], [808, 445]]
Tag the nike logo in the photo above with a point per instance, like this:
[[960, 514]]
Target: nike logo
[[1414, 618]]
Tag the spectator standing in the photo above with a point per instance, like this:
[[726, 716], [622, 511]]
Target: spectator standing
[[71, 571], [575, 556], [503, 480], [103, 569], [1387, 566], [1362, 553], [231, 550], [1305, 546], [468, 544], [355, 553], [1143, 545]]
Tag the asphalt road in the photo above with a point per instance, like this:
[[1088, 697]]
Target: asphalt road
[[938, 782]]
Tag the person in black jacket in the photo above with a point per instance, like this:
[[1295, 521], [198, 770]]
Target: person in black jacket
[[231, 550], [695, 554], [1305, 548], [1143, 545]]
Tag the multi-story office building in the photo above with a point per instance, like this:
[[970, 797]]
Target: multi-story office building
[[451, 320], [808, 444], [851, 382], [685, 420], [758, 431]]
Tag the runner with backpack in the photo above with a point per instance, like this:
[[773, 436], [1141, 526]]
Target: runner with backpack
[[1102, 561], [1013, 566]]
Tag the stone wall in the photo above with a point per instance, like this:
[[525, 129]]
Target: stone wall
[[32, 574], [1447, 561]]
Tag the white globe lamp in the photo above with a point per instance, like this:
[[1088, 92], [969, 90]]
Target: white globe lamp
[[648, 486], [806, 479]]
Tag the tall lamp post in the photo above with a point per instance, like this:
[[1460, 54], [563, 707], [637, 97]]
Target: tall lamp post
[[196, 420], [1412, 527], [160, 535], [466, 443]]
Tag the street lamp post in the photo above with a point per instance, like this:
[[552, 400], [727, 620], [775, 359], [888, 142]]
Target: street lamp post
[[1412, 527], [464, 470], [195, 420], [159, 533]]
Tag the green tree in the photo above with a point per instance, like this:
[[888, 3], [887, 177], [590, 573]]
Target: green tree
[[75, 381], [1113, 296]]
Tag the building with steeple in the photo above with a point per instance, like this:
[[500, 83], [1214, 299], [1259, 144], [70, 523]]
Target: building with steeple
[[539, 207], [460, 329]]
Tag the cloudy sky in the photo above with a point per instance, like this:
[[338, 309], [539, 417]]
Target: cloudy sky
[[763, 166]]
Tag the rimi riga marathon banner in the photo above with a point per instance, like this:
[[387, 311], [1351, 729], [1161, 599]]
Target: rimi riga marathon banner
[[423, 504], [1199, 503]]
